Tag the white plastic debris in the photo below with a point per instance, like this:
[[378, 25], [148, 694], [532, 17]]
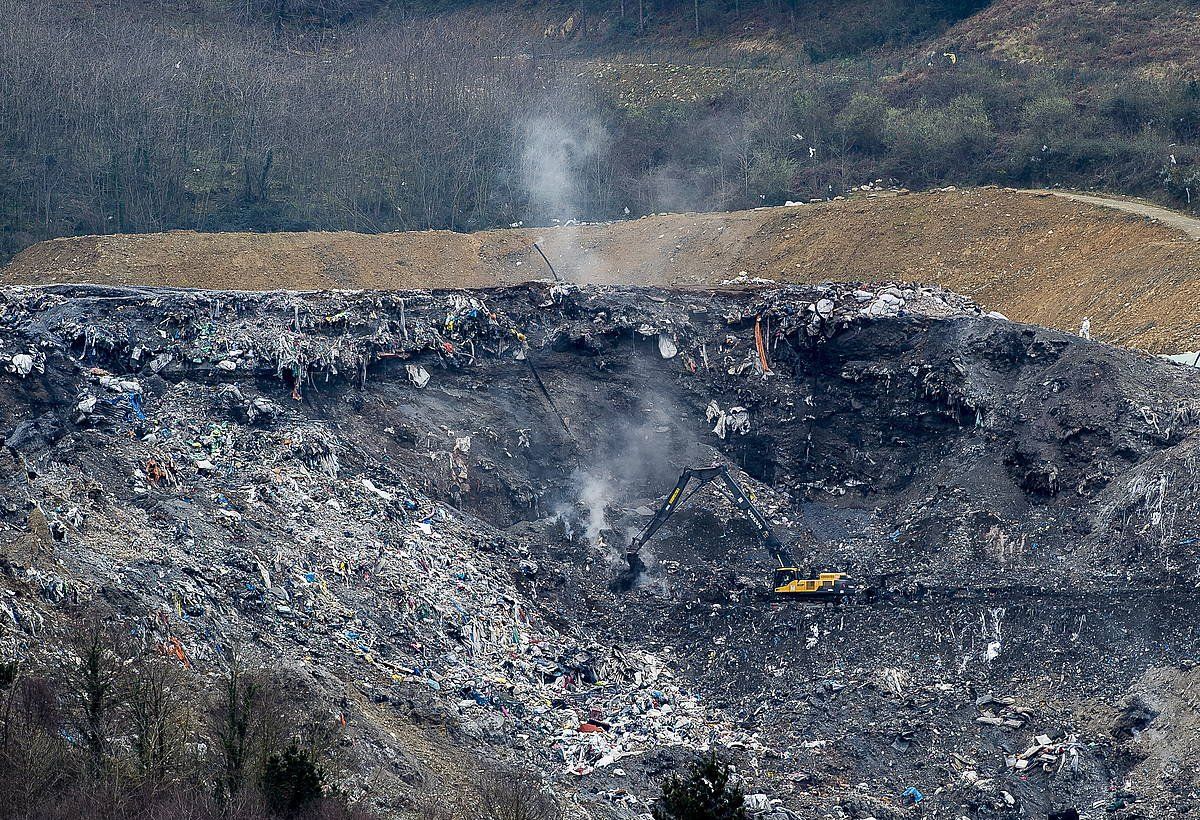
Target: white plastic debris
[[736, 420], [667, 347], [1190, 358], [418, 375], [22, 364], [757, 803], [370, 487], [119, 385]]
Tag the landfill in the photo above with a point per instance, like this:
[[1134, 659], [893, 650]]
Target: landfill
[[420, 502]]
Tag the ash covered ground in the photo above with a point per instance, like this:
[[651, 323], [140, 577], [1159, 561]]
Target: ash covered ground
[[418, 503]]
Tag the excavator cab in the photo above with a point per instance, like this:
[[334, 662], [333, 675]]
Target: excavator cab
[[790, 582]]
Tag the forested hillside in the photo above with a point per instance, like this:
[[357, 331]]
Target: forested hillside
[[374, 116]]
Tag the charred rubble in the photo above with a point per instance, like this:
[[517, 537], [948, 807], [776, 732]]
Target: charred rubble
[[419, 501]]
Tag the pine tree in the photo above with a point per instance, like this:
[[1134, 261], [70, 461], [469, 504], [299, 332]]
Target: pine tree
[[703, 794], [291, 781]]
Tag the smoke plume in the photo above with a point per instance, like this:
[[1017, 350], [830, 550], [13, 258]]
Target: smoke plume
[[559, 159]]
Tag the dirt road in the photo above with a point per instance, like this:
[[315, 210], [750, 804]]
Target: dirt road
[[1173, 219], [1052, 259]]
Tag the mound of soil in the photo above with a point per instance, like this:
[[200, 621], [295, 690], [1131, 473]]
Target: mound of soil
[[1035, 258]]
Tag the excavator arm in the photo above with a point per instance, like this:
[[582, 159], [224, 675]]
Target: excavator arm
[[738, 496], [789, 582]]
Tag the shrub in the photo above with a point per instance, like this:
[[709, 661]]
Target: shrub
[[291, 782], [864, 121], [704, 793]]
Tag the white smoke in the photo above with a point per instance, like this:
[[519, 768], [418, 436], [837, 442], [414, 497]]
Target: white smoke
[[556, 156], [595, 494], [565, 515]]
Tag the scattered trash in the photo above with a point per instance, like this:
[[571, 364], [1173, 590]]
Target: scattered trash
[[400, 549]]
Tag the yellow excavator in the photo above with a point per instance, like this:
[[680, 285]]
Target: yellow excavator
[[790, 581]]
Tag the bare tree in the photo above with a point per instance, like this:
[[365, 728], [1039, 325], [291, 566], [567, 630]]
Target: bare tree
[[33, 757], [161, 720], [513, 794], [94, 684]]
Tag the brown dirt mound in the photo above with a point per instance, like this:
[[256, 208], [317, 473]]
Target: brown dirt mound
[[1036, 258]]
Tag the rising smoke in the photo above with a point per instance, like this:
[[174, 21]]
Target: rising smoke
[[638, 458], [595, 495], [560, 158], [555, 162]]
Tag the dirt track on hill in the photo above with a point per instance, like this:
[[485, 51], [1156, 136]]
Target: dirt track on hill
[[1190, 225], [1035, 257]]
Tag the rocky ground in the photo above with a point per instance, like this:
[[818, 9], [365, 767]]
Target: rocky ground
[[418, 501]]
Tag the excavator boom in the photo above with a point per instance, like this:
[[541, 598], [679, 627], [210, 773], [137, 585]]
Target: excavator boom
[[740, 500], [789, 581]]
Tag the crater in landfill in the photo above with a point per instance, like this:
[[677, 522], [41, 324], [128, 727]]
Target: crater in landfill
[[1040, 488]]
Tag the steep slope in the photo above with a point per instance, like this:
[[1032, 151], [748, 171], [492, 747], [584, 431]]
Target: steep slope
[[1035, 258], [418, 500]]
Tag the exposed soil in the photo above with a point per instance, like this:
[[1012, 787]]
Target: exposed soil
[[1034, 257]]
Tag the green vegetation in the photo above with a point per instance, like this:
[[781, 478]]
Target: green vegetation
[[703, 793], [292, 782], [370, 116]]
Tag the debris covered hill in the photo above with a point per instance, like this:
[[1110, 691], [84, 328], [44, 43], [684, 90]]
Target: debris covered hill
[[419, 501], [1041, 259]]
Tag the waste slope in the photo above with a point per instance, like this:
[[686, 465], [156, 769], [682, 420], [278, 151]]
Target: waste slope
[[1039, 259], [422, 499]]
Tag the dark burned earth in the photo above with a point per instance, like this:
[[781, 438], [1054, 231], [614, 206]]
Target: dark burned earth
[[417, 504]]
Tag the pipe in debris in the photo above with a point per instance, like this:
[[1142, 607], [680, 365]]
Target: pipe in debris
[[542, 386], [758, 341], [537, 248]]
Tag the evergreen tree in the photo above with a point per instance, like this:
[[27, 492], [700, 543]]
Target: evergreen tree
[[703, 794], [291, 781]]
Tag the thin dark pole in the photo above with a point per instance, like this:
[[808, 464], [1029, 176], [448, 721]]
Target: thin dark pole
[[557, 278]]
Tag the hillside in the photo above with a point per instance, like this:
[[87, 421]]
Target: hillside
[[1034, 257], [374, 118], [1150, 37], [466, 410]]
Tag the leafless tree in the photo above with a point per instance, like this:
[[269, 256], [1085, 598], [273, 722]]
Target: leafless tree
[[161, 721], [513, 794], [32, 755], [94, 684]]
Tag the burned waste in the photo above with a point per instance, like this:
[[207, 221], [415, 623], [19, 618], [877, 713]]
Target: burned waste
[[420, 504]]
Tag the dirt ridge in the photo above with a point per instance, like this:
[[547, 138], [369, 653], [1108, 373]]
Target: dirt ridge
[[1035, 257]]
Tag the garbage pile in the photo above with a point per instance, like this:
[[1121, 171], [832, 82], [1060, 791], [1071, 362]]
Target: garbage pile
[[422, 499]]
